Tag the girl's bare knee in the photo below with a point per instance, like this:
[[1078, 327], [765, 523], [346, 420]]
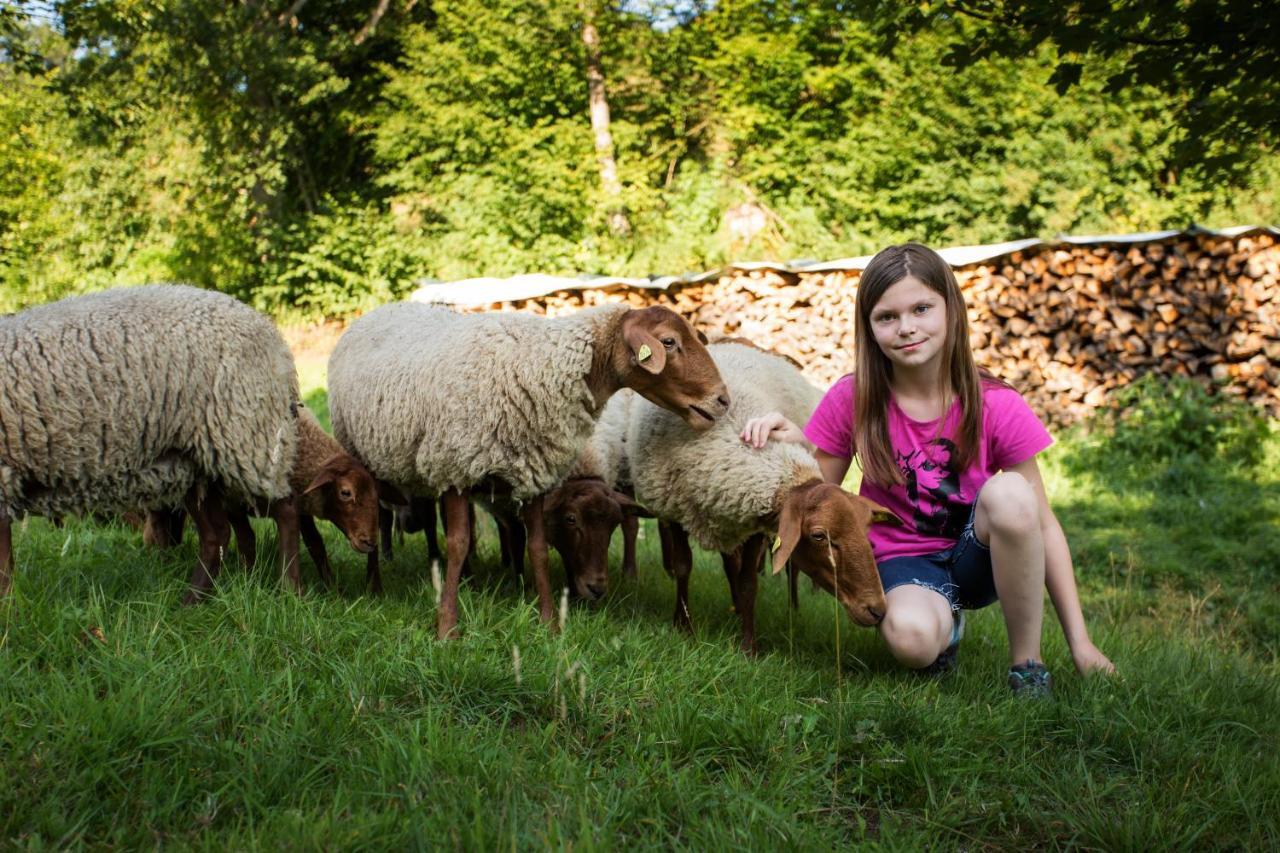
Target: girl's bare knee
[[1009, 505], [912, 636]]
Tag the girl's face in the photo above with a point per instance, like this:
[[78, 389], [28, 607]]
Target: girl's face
[[910, 323]]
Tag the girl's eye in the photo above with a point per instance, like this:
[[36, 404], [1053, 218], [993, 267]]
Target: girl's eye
[[883, 318], [923, 308]]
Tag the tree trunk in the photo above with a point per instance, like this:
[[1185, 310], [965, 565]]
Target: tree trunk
[[599, 103]]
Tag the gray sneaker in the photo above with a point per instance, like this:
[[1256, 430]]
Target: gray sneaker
[[1031, 680], [946, 662]]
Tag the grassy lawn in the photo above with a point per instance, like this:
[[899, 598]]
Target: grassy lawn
[[336, 720]]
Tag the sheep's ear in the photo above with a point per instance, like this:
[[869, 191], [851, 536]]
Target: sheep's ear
[[702, 336], [630, 507], [389, 494], [324, 478], [646, 350], [789, 525], [879, 514], [553, 500]]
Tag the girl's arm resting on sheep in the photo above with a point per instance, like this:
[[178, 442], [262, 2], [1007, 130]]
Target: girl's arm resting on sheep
[[760, 430], [1059, 577], [833, 468]]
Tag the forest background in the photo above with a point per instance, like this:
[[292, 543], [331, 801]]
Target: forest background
[[318, 157]]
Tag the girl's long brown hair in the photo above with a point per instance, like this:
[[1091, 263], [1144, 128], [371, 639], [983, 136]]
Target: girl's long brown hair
[[959, 375]]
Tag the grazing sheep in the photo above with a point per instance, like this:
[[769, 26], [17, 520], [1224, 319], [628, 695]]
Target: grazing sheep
[[151, 396], [327, 483], [729, 496], [439, 403]]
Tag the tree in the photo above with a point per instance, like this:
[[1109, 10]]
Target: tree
[[598, 103], [1219, 60]]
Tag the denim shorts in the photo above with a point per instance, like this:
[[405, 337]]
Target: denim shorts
[[961, 573]]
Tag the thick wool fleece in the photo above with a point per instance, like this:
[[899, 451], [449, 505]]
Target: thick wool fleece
[[430, 399], [128, 397], [716, 487], [315, 447], [605, 455]]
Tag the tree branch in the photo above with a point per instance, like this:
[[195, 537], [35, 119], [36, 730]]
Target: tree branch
[[372, 24]]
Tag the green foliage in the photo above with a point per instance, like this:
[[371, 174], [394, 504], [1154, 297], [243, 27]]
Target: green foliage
[[1174, 430], [1215, 59], [314, 166]]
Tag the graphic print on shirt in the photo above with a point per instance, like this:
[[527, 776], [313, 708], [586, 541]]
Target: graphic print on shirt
[[933, 487]]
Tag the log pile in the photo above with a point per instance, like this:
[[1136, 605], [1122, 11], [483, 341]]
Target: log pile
[[1065, 325]]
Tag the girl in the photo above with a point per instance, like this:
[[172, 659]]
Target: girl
[[951, 450]]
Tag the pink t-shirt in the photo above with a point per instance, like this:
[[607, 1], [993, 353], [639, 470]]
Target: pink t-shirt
[[935, 501]]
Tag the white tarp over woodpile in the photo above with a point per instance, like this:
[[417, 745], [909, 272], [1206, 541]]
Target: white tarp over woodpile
[[486, 291]]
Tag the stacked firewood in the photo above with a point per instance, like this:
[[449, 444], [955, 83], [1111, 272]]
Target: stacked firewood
[[1065, 324]]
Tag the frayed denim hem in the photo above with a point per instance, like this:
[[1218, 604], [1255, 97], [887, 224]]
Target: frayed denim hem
[[949, 591]]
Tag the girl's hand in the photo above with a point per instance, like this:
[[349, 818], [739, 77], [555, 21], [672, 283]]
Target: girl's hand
[[1089, 659], [774, 426]]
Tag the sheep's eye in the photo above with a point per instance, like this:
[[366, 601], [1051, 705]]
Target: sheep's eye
[[818, 536], [669, 343], [570, 520], [346, 494]]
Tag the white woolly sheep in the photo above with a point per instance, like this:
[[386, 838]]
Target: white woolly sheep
[[730, 496], [154, 396], [437, 402]]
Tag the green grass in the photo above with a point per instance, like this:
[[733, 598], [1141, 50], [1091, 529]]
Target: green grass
[[261, 720]]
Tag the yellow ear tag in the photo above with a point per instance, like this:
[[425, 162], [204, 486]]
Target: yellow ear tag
[[645, 353], [777, 543]]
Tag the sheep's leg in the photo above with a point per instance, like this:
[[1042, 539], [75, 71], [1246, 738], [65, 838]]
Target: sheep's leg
[[6, 552], [315, 547], [457, 538], [214, 532], [429, 527], [163, 528], [384, 530], [534, 528], [246, 539], [285, 513], [504, 541], [517, 546], [732, 561], [681, 567], [752, 556], [664, 540], [471, 542], [372, 574], [630, 529]]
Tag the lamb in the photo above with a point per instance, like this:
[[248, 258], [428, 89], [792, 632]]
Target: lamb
[[436, 402], [155, 396], [583, 511], [327, 482], [729, 496]]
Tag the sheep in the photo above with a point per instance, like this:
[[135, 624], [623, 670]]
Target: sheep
[[598, 495], [155, 396], [729, 496], [437, 402], [327, 482]]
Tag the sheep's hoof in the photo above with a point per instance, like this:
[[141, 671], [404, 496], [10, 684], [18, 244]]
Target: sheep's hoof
[[447, 629], [194, 597]]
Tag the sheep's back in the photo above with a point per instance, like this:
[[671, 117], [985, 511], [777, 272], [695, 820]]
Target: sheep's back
[[718, 488], [128, 397], [430, 399]]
